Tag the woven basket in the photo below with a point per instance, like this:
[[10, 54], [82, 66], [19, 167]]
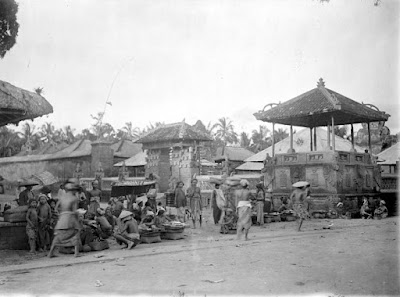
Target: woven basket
[[99, 245]]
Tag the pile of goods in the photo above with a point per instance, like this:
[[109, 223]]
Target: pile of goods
[[173, 230], [288, 215], [15, 215]]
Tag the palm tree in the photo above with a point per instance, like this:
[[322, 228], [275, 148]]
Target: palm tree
[[67, 135], [48, 132], [129, 132], [261, 138], [10, 142], [225, 132], [29, 136], [280, 134], [245, 140], [39, 91]]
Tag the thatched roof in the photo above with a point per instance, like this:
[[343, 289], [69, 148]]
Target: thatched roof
[[47, 148], [137, 160], [174, 132], [316, 107], [391, 155], [126, 148], [301, 143], [18, 105], [233, 153]]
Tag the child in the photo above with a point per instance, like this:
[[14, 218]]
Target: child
[[53, 219], [32, 225], [229, 222], [44, 216]]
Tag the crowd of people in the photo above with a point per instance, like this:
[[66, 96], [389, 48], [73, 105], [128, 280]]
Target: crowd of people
[[75, 222]]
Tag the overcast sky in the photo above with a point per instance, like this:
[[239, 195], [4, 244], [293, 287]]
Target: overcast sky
[[175, 60]]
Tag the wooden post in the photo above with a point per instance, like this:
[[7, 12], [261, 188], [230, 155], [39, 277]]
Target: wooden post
[[291, 139], [369, 138], [273, 139], [328, 136], [352, 138], [311, 146], [315, 138], [333, 134]]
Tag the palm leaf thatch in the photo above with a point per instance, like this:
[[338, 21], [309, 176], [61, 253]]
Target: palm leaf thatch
[[18, 105]]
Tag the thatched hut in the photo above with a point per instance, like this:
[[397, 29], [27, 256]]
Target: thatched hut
[[18, 105]]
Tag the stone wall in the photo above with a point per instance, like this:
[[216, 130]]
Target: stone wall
[[61, 168], [13, 236]]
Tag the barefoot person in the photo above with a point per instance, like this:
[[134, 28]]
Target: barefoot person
[[44, 217], [127, 231], [180, 201], [242, 199], [298, 199], [32, 225], [67, 230], [260, 197], [194, 195]]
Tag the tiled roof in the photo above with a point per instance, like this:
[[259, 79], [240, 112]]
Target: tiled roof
[[301, 143], [233, 153], [390, 155], [174, 132], [316, 107]]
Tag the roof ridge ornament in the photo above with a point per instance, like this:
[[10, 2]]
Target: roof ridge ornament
[[320, 83]]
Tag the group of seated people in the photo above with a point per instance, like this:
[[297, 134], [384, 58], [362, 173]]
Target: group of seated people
[[369, 210]]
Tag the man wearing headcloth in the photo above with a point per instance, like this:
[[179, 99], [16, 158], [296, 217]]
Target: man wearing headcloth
[[242, 199], [67, 229]]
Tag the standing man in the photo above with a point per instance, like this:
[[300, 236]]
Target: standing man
[[67, 229], [242, 198], [194, 195], [260, 198], [217, 203], [94, 197], [299, 201], [26, 194]]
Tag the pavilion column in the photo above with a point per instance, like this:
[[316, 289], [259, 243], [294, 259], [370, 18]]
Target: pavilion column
[[273, 139], [369, 139], [311, 146], [333, 134], [315, 138], [328, 136], [352, 139], [291, 139]]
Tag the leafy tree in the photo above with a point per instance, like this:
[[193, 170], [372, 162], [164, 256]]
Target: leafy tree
[[280, 134], [128, 132], [48, 133], [245, 140], [30, 137], [10, 142], [341, 131], [261, 138], [67, 135], [225, 132], [8, 25]]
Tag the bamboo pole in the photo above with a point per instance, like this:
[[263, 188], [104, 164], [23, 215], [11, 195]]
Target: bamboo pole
[[333, 134]]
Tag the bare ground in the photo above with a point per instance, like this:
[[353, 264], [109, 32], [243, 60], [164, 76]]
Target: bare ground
[[354, 257]]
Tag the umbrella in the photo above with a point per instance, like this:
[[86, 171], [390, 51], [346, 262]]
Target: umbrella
[[301, 184]]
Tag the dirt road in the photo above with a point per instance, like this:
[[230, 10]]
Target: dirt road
[[355, 257]]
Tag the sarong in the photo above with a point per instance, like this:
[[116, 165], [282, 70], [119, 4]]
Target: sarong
[[260, 212], [244, 214], [195, 208], [68, 237], [67, 230], [31, 233], [301, 211]]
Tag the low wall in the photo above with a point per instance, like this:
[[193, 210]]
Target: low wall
[[13, 236]]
